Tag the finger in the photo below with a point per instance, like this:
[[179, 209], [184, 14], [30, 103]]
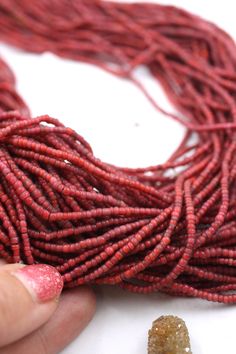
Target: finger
[[2, 262], [75, 310], [28, 298]]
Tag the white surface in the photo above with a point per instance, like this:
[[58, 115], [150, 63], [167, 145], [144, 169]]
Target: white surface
[[124, 129]]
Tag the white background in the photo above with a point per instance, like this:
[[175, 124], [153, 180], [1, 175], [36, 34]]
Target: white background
[[124, 129]]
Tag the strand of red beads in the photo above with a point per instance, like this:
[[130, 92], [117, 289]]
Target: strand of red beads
[[97, 223]]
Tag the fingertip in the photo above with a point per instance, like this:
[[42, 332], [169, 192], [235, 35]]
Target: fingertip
[[26, 299], [43, 282], [89, 300], [83, 300], [75, 310]]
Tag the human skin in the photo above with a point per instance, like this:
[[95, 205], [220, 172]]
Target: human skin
[[39, 319]]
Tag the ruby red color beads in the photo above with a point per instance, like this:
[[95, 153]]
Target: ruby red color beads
[[143, 229]]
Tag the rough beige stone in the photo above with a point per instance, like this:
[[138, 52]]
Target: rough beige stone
[[169, 335]]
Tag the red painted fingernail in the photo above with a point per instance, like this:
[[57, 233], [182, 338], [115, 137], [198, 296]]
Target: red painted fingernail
[[42, 281]]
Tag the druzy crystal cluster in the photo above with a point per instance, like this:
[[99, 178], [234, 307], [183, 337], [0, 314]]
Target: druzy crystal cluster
[[169, 335]]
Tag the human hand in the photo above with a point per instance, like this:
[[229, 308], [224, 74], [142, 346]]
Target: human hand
[[32, 320]]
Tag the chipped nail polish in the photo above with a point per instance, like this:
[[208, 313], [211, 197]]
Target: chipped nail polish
[[43, 282]]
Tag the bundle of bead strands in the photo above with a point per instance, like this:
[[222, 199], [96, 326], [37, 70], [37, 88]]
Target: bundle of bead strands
[[100, 224]]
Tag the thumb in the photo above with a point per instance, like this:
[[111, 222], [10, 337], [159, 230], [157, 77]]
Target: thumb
[[28, 298]]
